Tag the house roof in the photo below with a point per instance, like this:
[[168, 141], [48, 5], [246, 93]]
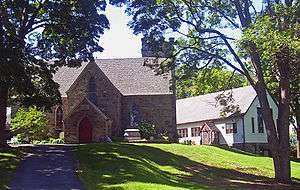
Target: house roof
[[205, 107], [131, 76], [211, 126]]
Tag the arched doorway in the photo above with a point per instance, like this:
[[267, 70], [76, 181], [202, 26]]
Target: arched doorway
[[85, 131]]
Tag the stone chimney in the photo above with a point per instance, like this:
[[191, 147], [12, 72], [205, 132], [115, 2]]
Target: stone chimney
[[161, 49]]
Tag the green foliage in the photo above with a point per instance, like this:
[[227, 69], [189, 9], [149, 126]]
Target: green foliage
[[269, 47], [269, 38], [34, 33], [172, 166], [293, 143], [31, 124], [49, 141], [206, 80], [277, 39], [147, 129]]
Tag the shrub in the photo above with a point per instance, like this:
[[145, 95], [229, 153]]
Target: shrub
[[49, 141], [30, 125], [147, 130], [293, 143]]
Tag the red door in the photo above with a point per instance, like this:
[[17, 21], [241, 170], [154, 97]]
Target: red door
[[85, 131]]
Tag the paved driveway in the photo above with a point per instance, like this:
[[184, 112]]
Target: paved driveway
[[47, 167]]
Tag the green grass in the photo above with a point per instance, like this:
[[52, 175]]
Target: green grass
[[173, 166], [9, 161]]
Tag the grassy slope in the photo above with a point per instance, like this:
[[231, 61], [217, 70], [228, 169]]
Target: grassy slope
[[172, 166], [9, 160]]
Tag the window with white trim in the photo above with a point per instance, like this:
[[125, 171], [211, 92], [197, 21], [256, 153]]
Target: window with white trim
[[231, 128], [182, 132]]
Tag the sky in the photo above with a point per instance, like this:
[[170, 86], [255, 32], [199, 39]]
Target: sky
[[119, 41]]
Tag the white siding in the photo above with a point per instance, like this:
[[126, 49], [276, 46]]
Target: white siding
[[224, 138], [252, 112], [230, 138], [189, 126], [238, 137]]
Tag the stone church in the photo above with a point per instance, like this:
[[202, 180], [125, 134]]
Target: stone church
[[107, 96]]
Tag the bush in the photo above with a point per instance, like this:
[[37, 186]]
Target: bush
[[30, 125], [49, 141], [147, 130], [293, 143]]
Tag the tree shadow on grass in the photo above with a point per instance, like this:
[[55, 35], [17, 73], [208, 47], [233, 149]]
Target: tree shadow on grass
[[108, 166], [9, 161], [235, 150]]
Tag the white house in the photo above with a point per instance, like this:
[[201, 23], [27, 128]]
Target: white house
[[199, 120]]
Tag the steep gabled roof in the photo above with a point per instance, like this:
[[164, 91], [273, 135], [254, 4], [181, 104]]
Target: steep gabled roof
[[85, 100], [66, 76], [130, 76], [204, 107], [209, 125]]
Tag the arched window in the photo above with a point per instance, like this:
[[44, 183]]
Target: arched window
[[92, 91], [134, 116], [59, 118]]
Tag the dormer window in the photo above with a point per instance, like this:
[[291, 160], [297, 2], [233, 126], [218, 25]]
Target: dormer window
[[92, 91]]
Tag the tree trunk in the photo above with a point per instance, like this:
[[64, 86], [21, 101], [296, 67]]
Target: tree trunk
[[283, 169], [278, 136], [3, 105], [277, 139]]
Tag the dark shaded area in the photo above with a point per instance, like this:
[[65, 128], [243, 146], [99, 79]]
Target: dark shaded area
[[9, 161], [113, 164], [47, 167]]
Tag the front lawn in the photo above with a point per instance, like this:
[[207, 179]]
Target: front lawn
[[173, 166], [9, 161]]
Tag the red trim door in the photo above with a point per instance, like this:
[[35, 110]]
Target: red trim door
[[85, 131]]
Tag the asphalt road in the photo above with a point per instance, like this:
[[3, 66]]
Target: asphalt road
[[47, 167]]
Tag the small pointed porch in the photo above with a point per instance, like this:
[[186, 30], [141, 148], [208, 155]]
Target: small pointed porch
[[209, 134], [86, 123]]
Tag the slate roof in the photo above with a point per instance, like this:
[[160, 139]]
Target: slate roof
[[130, 76], [204, 107]]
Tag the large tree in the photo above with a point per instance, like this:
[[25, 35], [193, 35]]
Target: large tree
[[203, 27], [205, 80], [37, 37]]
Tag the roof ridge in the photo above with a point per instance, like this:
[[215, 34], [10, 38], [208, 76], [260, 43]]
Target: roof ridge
[[122, 58]]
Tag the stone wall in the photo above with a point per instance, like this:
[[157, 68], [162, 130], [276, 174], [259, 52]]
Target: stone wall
[[101, 125], [157, 109], [108, 97], [51, 117]]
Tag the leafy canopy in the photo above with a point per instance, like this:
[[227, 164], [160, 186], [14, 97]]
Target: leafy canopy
[[38, 36], [206, 80], [32, 122]]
